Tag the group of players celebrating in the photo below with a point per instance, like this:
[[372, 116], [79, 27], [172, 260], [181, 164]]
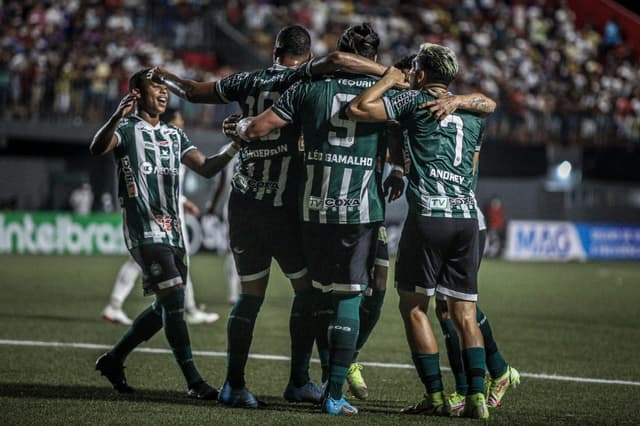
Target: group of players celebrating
[[308, 191]]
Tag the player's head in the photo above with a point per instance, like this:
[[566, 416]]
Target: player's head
[[405, 63], [434, 64], [360, 39], [173, 116], [152, 97], [293, 43]]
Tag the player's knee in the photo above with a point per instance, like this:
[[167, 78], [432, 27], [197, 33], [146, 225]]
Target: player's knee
[[256, 288]]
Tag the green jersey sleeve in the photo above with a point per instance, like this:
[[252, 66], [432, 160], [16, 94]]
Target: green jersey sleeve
[[185, 143], [234, 87], [401, 104], [290, 102]]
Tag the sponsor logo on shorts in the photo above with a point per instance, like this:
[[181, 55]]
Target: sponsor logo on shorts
[[237, 250], [155, 269]]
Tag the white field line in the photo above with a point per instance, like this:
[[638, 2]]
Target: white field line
[[32, 343]]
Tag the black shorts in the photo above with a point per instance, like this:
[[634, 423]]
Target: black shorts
[[482, 239], [259, 232], [163, 266], [438, 254], [340, 257]]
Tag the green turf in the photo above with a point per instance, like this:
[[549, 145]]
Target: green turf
[[564, 319]]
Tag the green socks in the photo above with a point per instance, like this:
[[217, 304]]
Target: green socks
[[369, 316], [239, 335], [496, 364], [175, 329], [301, 322], [145, 326], [454, 353], [428, 368], [343, 334], [474, 359]]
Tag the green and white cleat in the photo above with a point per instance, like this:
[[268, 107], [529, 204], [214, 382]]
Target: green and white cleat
[[475, 407], [456, 402], [433, 404], [357, 386], [498, 387]]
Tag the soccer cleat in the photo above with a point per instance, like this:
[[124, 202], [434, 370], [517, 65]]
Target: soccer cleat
[[239, 397], [456, 404], [310, 392], [338, 407], [433, 404], [196, 316], [115, 315], [475, 407], [498, 387], [114, 372], [202, 390], [357, 386]]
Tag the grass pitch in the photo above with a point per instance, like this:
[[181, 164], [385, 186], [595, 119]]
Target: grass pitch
[[576, 320]]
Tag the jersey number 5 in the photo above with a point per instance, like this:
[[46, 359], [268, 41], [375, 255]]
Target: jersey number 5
[[347, 126], [261, 106], [457, 121]]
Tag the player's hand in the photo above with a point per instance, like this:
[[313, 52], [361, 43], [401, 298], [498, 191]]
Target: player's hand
[[397, 76], [157, 74], [127, 104], [229, 128], [444, 105], [393, 185], [190, 207]]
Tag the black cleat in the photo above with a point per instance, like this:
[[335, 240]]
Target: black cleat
[[202, 390], [114, 372]]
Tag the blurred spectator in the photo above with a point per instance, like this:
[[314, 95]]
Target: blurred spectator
[[554, 82], [81, 199]]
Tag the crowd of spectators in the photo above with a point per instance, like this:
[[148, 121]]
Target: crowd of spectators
[[554, 82]]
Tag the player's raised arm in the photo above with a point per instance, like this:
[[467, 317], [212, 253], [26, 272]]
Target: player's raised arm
[[105, 140], [368, 105], [193, 91], [446, 104], [343, 61]]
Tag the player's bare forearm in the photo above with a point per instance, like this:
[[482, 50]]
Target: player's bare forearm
[[368, 105], [209, 166], [191, 90], [104, 140], [477, 103], [344, 61]]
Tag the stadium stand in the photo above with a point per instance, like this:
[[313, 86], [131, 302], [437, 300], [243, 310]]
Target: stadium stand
[[555, 82]]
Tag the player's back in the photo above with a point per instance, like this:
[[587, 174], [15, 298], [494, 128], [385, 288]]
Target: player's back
[[266, 170], [340, 155], [442, 177]]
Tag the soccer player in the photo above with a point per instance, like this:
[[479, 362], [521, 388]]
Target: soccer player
[[148, 153], [439, 243], [342, 202], [502, 376], [263, 218], [130, 270]]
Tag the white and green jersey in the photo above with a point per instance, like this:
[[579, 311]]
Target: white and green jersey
[[268, 169], [148, 163], [341, 185], [442, 178]]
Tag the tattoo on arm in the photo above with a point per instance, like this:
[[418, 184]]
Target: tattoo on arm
[[479, 104]]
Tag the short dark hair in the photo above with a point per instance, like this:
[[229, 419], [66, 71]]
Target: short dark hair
[[292, 40], [135, 81], [169, 114], [360, 39], [405, 63]]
